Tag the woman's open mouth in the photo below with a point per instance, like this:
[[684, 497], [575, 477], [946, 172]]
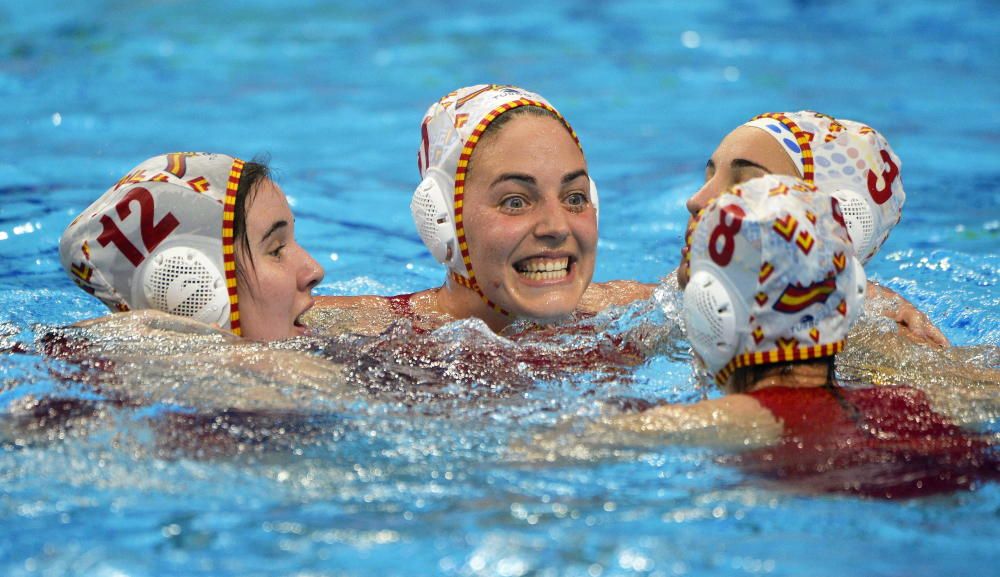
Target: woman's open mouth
[[541, 269], [299, 324]]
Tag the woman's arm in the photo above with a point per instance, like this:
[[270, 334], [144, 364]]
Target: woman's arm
[[154, 357], [151, 322], [914, 325], [734, 422], [960, 381]]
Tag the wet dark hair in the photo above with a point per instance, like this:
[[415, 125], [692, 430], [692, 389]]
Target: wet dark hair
[[745, 377], [255, 173]]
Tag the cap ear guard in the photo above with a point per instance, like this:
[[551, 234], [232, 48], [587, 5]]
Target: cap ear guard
[[434, 219], [183, 280], [712, 318], [859, 220]]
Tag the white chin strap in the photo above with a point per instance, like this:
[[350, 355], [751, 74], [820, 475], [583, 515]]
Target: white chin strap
[[859, 219], [856, 293], [183, 281], [712, 317], [433, 215]]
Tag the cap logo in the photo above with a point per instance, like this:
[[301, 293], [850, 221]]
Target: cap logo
[[796, 298], [839, 261], [134, 176], [765, 272], [177, 163]]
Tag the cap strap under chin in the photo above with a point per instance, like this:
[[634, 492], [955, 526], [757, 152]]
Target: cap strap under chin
[[228, 248], [474, 285]]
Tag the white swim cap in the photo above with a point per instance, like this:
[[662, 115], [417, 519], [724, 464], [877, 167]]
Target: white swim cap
[[162, 238], [449, 133], [850, 161], [772, 276]]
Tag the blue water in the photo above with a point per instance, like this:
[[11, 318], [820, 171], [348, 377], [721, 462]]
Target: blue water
[[335, 94]]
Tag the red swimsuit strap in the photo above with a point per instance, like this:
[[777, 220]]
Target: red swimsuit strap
[[401, 306]]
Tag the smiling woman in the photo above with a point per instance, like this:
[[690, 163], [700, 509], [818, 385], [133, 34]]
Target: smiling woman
[[202, 236], [506, 204]]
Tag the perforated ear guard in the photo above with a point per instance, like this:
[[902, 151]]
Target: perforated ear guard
[[433, 216], [181, 279], [859, 220], [713, 317]]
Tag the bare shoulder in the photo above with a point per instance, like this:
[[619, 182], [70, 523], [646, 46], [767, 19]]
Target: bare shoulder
[[332, 315], [600, 296], [370, 314]]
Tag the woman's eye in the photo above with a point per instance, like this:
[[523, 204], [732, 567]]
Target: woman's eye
[[513, 203], [576, 200], [277, 251], [746, 174]]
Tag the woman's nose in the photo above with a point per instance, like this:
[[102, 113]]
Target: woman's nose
[[310, 273], [552, 221], [706, 193]]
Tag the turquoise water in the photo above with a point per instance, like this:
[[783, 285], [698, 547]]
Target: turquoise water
[[426, 485]]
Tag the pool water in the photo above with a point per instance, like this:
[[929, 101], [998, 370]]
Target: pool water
[[399, 483]]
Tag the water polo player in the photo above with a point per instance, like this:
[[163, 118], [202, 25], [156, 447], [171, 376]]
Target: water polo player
[[771, 290], [506, 204], [843, 158], [203, 236]]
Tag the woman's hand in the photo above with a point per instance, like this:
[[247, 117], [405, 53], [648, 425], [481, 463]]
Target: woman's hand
[[912, 324]]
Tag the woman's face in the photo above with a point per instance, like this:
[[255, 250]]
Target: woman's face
[[529, 221], [276, 289], [745, 153]]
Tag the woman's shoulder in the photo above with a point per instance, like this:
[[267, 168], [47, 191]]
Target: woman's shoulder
[[369, 314], [600, 296]]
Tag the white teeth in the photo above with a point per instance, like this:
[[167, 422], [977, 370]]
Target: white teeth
[[553, 275], [544, 269], [543, 265]]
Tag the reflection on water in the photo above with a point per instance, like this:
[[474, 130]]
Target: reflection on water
[[376, 439]]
